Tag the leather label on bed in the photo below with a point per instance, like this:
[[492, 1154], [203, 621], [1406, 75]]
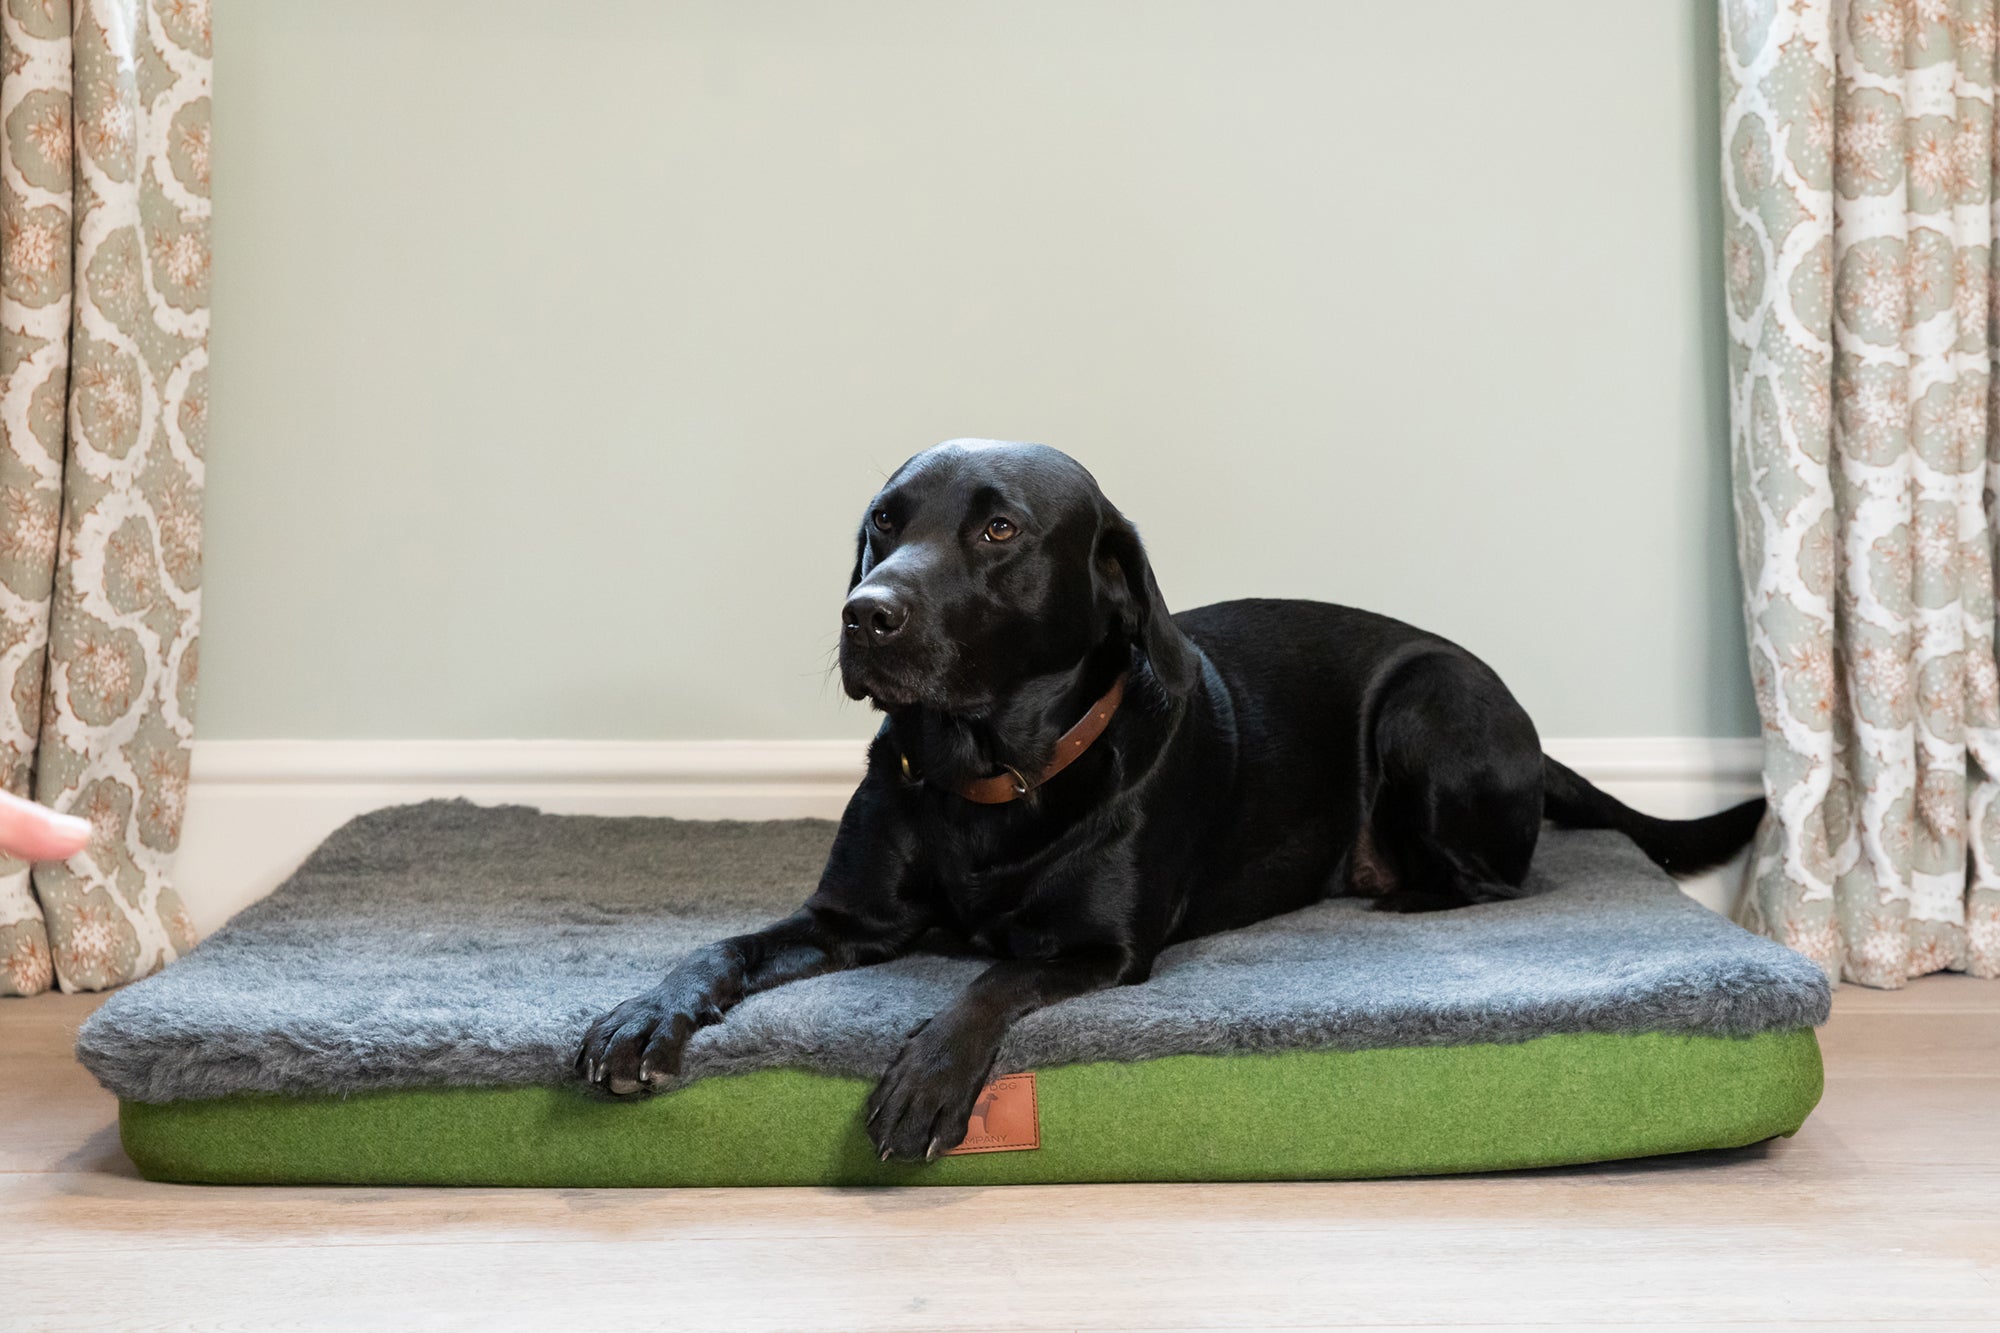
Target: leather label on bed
[[1006, 1118]]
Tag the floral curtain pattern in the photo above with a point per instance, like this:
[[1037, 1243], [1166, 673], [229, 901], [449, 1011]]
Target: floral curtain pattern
[[1858, 172], [104, 259]]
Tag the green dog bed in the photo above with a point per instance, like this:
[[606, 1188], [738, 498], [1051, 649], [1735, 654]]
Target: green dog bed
[[403, 1011]]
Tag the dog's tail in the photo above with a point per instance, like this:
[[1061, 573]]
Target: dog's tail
[[1678, 846]]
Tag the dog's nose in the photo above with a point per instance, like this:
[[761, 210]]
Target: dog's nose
[[873, 616]]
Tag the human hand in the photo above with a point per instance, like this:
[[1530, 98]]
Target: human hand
[[36, 833]]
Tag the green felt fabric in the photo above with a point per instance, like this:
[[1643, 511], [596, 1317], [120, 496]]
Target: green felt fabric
[[1301, 1116]]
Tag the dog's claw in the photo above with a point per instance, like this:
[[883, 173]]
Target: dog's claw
[[885, 1154], [931, 1153]]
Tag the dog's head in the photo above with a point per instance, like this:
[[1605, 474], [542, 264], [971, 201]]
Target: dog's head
[[981, 565]]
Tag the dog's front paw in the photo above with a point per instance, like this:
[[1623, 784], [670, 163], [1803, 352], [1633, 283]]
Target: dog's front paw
[[638, 1045], [922, 1106]]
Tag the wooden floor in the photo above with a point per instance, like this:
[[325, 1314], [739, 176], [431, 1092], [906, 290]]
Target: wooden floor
[[1883, 1211]]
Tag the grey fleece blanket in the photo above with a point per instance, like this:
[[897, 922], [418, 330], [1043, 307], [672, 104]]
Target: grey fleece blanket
[[448, 943]]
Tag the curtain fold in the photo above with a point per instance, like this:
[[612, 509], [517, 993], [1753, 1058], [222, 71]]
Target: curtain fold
[[1858, 170], [104, 272]]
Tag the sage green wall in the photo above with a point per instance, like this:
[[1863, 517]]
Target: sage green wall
[[557, 346]]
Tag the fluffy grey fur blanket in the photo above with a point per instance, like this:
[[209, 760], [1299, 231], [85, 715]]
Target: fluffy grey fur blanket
[[448, 943]]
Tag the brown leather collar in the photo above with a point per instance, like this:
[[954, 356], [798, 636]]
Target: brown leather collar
[[1011, 785]]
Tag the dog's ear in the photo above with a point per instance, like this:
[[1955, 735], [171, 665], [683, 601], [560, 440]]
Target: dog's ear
[[1121, 568]]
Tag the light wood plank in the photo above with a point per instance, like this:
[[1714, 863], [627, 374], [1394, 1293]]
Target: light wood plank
[[987, 1279], [1728, 1190], [1939, 993], [1877, 1043], [53, 1116]]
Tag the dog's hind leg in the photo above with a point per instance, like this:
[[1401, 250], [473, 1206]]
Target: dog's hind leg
[[1457, 801]]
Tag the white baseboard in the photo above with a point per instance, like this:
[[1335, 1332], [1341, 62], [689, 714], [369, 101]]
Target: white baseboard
[[255, 808]]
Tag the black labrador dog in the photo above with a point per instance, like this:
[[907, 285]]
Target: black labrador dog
[[1069, 779]]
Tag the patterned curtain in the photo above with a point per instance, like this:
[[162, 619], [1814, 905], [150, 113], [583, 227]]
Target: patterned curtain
[[104, 257], [1858, 175]]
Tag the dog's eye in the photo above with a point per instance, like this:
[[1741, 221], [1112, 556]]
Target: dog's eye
[[883, 523], [999, 530]]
